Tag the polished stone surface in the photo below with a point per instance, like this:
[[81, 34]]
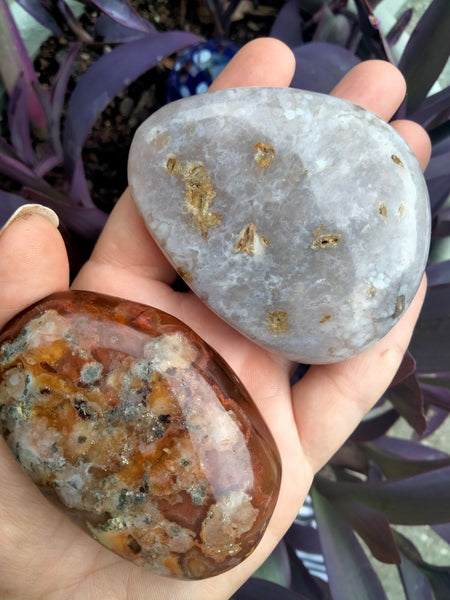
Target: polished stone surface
[[139, 431], [299, 218]]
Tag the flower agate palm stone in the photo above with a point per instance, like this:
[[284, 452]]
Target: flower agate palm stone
[[300, 219], [127, 420]]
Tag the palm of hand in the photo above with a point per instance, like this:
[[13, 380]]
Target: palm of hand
[[309, 421]]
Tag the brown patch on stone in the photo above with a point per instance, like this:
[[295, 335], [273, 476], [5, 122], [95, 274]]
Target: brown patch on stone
[[265, 154], [171, 165], [371, 291], [397, 161], [325, 240], [265, 240], [161, 139], [401, 210], [133, 545], [325, 318], [246, 241], [199, 192], [399, 306], [382, 211], [184, 274], [278, 321]]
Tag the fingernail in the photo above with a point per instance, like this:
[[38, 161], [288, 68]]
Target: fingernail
[[29, 210]]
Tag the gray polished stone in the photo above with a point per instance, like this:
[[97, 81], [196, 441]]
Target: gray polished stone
[[299, 218]]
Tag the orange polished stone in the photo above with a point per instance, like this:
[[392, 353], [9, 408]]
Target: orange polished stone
[[128, 421]]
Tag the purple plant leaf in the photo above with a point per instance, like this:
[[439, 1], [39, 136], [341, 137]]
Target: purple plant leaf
[[16, 170], [439, 165], [256, 589], [439, 273], [443, 530], [406, 368], [441, 147], [122, 12], [46, 164], [415, 584], [42, 16], [106, 78], [370, 27], [426, 52], [407, 400], [423, 499], [438, 189], [312, 6], [373, 527], [14, 61], [308, 574], [111, 32], [402, 23], [409, 450], [373, 427], [276, 567], [434, 110], [430, 342], [79, 191], [19, 126], [332, 28], [287, 25], [86, 223], [320, 66], [222, 13], [397, 467], [83, 221], [9, 203], [438, 577], [436, 395], [400, 113], [303, 538], [7, 150], [59, 87], [349, 571], [350, 456], [72, 22], [434, 421], [441, 227]]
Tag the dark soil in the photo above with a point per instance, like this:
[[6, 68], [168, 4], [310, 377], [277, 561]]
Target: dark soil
[[106, 150]]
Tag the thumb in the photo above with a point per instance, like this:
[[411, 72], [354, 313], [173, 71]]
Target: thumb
[[33, 259]]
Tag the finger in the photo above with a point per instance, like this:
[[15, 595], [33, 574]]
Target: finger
[[375, 85], [125, 245], [262, 62], [417, 139], [125, 242], [33, 260]]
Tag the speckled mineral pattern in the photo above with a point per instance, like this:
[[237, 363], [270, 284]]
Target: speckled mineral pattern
[[299, 218], [139, 431]]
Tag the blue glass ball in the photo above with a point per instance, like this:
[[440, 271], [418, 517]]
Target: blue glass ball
[[197, 66]]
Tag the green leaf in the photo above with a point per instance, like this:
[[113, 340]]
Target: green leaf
[[349, 570], [427, 52]]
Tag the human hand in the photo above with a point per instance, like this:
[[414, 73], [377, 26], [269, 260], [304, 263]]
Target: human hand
[[42, 554]]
